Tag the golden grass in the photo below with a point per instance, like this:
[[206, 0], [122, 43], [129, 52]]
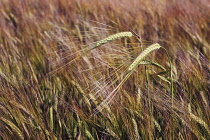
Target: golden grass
[[144, 99]]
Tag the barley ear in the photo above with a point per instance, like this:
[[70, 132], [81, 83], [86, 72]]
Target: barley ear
[[113, 37], [198, 120], [138, 60], [13, 127]]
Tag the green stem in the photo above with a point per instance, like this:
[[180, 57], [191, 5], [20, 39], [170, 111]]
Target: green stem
[[172, 92]]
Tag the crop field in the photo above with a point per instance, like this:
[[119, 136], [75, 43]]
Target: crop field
[[104, 70]]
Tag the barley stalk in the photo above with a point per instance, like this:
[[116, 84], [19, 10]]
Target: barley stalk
[[147, 62], [143, 55]]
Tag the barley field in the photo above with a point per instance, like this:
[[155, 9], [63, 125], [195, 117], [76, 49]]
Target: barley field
[[104, 70]]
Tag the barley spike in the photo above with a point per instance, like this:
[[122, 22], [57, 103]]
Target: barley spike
[[113, 37], [138, 60]]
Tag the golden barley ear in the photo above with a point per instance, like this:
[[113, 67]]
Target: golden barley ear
[[13, 127], [198, 120], [138, 60]]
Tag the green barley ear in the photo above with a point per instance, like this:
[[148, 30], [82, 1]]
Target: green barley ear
[[113, 37], [138, 60]]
